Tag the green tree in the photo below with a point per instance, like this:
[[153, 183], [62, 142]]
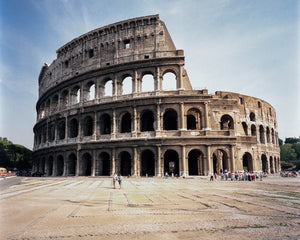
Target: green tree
[[287, 153], [292, 140]]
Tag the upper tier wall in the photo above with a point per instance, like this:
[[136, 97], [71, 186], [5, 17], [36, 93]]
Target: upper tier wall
[[131, 40]]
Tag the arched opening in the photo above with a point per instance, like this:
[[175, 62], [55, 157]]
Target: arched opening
[[245, 127], [86, 165], [91, 91], [108, 88], [220, 159], [147, 163], [193, 119], [171, 162], [48, 107], [253, 130], [170, 120], [261, 134], [273, 141], [247, 162], [51, 132], [72, 165], [147, 121], [252, 116], [75, 95], [105, 124], [103, 165], [169, 81], [126, 123], [275, 165], [42, 166], [268, 135], [271, 165], [59, 165], [147, 83], [127, 85], [50, 166], [125, 164], [196, 164], [73, 128], [64, 99], [226, 122], [62, 129], [55, 103], [264, 162], [88, 127]]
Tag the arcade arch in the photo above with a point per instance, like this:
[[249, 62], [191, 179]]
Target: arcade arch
[[71, 165], [196, 162], [103, 165], [147, 163], [147, 121], [86, 165], [171, 162], [170, 120], [220, 161], [247, 162]]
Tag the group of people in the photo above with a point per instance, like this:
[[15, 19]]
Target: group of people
[[238, 176], [118, 179]]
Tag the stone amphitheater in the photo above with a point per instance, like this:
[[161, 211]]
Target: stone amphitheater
[[118, 99]]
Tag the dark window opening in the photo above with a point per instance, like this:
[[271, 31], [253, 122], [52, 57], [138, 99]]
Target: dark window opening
[[241, 100], [268, 134], [259, 104], [51, 133], [66, 64], [245, 127], [73, 128], [261, 134], [147, 121], [88, 126], [170, 120], [91, 53], [86, 165], [252, 117], [220, 161], [105, 124], [226, 122], [61, 130], [264, 163], [253, 130], [191, 122], [60, 166], [146, 56], [103, 165], [126, 123]]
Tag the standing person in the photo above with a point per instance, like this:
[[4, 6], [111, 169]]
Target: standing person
[[120, 180], [115, 178]]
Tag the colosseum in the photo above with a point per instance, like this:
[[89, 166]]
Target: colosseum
[[104, 107]]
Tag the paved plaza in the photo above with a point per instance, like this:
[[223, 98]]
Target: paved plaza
[[150, 208]]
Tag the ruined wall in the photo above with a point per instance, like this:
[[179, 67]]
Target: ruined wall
[[82, 129]]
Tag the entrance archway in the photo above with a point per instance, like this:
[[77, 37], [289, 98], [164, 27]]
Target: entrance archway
[[59, 165], [171, 162], [220, 161], [125, 163], [247, 162], [264, 163], [147, 163], [72, 165], [196, 164], [86, 165], [50, 166], [103, 165], [271, 165]]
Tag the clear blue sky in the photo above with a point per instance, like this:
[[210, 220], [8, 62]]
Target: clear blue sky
[[249, 47]]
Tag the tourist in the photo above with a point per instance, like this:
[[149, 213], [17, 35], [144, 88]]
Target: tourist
[[115, 178], [211, 176], [120, 180]]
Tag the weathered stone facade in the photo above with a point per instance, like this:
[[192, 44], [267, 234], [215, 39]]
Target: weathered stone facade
[[88, 125]]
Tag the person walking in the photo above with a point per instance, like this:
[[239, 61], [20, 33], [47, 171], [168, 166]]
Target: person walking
[[120, 180], [115, 178]]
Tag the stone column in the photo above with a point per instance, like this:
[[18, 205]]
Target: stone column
[[232, 158], [158, 127], [207, 123], [183, 165], [209, 161], [114, 127], [94, 164], [158, 163], [113, 162], [134, 132], [135, 162], [183, 119]]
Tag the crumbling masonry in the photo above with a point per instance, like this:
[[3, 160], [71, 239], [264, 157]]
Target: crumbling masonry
[[89, 124]]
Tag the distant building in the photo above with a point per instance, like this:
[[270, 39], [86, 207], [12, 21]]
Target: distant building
[[88, 124]]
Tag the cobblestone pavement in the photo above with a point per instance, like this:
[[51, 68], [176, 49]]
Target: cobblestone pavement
[[150, 208]]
